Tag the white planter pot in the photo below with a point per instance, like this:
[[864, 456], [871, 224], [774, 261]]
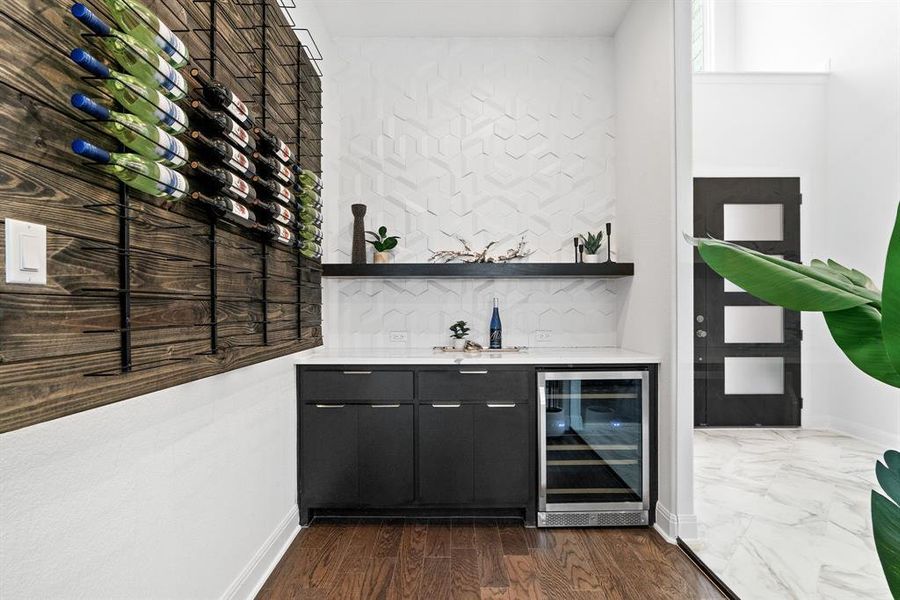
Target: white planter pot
[[593, 258], [457, 343], [381, 257]]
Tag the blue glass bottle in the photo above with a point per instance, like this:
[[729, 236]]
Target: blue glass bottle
[[496, 327]]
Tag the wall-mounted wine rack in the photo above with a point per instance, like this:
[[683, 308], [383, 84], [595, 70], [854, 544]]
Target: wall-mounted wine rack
[[142, 295]]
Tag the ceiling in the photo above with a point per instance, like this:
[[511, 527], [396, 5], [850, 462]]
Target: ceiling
[[475, 18]]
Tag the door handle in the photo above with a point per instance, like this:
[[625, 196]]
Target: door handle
[[701, 333], [506, 405], [330, 405], [357, 372], [385, 405], [473, 372], [456, 405]]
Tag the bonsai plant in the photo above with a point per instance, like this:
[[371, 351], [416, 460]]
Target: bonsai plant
[[383, 244], [592, 245], [865, 324], [459, 331]]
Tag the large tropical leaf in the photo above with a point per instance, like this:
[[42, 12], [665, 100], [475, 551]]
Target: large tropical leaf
[[886, 520], [891, 297], [857, 331], [857, 277], [782, 282]]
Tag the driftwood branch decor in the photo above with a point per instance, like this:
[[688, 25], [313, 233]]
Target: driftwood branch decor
[[467, 255]]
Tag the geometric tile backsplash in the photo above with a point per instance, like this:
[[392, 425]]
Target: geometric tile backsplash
[[485, 139]]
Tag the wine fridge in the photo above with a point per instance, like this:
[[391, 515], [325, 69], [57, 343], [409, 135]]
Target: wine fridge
[[593, 439]]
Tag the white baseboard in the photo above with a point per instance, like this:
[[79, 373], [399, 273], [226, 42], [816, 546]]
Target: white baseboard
[[254, 575], [672, 526], [880, 437]]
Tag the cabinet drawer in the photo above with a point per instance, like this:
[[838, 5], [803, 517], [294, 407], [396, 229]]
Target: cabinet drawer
[[475, 384], [356, 385]]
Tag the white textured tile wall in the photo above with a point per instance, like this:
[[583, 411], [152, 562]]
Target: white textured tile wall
[[485, 139]]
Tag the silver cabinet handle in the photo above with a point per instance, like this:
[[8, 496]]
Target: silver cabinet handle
[[456, 405], [330, 405], [385, 405], [357, 372], [473, 372], [506, 405]]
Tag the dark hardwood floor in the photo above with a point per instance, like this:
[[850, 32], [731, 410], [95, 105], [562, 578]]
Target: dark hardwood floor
[[481, 560]]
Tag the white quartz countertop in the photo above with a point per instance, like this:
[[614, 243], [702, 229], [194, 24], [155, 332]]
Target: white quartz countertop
[[428, 356]]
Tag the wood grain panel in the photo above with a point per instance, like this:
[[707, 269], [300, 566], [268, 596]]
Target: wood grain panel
[[60, 343]]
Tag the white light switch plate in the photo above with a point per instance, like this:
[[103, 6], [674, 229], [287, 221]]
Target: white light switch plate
[[26, 252]]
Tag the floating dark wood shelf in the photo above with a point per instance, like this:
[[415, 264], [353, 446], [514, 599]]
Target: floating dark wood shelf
[[478, 271]]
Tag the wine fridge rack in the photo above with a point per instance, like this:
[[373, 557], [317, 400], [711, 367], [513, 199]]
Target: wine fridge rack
[[306, 83]]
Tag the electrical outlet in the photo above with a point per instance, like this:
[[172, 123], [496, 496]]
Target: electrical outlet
[[543, 335], [399, 337]]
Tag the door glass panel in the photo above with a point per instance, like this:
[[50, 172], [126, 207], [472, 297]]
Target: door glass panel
[[754, 375], [730, 287], [754, 325], [594, 441], [754, 222]]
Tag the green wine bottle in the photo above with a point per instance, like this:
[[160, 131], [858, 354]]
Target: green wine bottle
[[144, 64], [310, 232], [144, 175], [147, 140], [140, 100], [308, 197], [308, 214], [307, 178], [136, 19], [309, 249]]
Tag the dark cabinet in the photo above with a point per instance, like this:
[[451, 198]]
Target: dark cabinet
[[446, 453], [474, 384], [357, 385], [329, 466], [502, 452], [386, 451]]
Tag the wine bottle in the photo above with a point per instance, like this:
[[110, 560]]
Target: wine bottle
[[147, 140], [226, 154], [273, 190], [309, 249], [225, 182], [218, 123], [280, 234], [496, 327], [228, 208], [136, 19], [307, 178], [140, 100], [272, 146], [308, 214], [144, 64], [136, 171], [309, 232], [308, 198], [272, 168], [221, 98], [275, 212]]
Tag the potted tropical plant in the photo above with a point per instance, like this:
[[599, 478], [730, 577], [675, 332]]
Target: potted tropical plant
[[592, 245], [383, 244], [865, 324], [458, 332]]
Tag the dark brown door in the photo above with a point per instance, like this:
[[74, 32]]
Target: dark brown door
[[747, 352]]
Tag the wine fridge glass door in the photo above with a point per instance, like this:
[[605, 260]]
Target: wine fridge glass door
[[594, 440]]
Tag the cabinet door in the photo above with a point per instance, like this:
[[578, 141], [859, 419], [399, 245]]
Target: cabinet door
[[446, 453], [502, 452], [329, 449], [386, 454]]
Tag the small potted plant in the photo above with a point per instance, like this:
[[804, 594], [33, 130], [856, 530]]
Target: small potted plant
[[459, 331], [592, 245], [383, 244]]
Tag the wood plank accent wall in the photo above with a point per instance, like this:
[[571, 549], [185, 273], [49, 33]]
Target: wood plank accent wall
[[60, 344]]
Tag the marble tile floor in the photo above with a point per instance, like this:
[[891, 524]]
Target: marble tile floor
[[784, 513]]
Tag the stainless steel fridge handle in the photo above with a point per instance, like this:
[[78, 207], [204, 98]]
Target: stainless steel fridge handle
[[542, 446]]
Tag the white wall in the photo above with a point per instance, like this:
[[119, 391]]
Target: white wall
[[485, 139], [646, 192], [173, 494], [859, 42]]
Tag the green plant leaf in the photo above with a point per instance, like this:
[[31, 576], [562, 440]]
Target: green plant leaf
[[891, 296], [782, 282], [892, 460], [373, 234], [857, 277], [382, 231], [889, 481], [390, 243], [886, 528], [857, 331]]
